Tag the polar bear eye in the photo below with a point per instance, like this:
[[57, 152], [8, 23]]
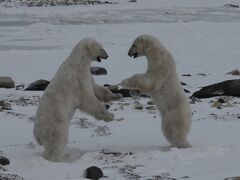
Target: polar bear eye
[[134, 45]]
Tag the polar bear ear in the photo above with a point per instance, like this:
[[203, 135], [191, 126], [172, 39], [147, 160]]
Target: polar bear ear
[[145, 41], [90, 45]]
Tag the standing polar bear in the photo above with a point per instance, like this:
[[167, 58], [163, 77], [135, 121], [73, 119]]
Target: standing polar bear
[[71, 88], [162, 83]]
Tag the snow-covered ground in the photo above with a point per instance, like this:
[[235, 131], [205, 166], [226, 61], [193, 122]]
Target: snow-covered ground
[[203, 36]]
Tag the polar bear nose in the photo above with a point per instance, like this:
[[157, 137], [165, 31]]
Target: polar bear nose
[[104, 54], [130, 53]]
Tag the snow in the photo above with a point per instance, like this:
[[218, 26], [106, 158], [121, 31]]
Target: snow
[[203, 38]]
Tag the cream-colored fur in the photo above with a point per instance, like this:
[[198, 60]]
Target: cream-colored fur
[[162, 83], [71, 88]]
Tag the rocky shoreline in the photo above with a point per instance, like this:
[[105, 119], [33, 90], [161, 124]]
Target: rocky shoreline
[[49, 3]]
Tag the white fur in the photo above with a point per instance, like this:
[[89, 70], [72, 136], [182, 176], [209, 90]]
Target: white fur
[[71, 88], [162, 83]]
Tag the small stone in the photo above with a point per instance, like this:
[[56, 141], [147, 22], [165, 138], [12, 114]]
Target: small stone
[[150, 107], [185, 177], [107, 106], [231, 5], [186, 91], [20, 87], [201, 74], [39, 85], [183, 83], [235, 72], [221, 100], [93, 173], [6, 82], [98, 71], [217, 104], [150, 103], [4, 161], [187, 75], [138, 106]]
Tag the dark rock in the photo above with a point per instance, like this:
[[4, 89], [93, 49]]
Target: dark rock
[[183, 83], [235, 72], [131, 92], [5, 105], [232, 5], [6, 176], [150, 103], [93, 173], [6, 82], [98, 71], [39, 85], [106, 85], [4, 161], [228, 88], [107, 106], [132, 1], [20, 87], [185, 177], [201, 74], [186, 91], [232, 178], [188, 75], [221, 100], [145, 96]]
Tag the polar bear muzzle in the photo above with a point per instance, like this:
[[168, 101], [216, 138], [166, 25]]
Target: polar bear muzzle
[[102, 55], [131, 53]]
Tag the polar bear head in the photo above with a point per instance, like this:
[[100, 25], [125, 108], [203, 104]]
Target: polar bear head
[[91, 49], [143, 45]]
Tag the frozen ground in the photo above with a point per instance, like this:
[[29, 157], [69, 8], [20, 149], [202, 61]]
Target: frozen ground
[[202, 36]]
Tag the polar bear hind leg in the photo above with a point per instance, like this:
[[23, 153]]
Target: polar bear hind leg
[[175, 130], [55, 144]]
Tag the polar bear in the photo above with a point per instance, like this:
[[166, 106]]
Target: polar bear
[[161, 82], [71, 88]]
